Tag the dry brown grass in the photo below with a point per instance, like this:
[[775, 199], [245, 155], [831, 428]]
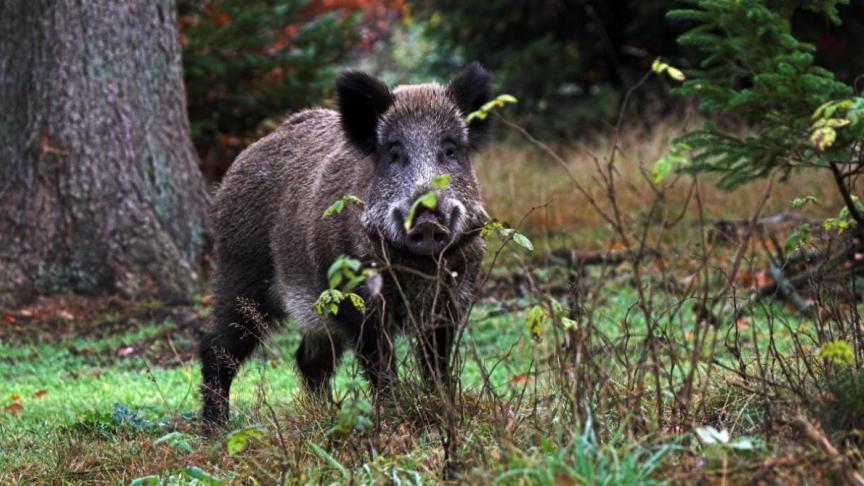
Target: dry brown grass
[[517, 176]]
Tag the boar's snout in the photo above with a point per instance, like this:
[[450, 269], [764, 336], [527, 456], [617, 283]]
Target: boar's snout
[[428, 235]]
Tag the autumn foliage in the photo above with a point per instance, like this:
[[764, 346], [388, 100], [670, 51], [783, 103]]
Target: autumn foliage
[[249, 63]]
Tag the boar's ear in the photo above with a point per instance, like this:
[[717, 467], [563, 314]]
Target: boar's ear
[[471, 89], [362, 100]]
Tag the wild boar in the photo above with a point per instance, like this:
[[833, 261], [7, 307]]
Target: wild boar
[[272, 248]]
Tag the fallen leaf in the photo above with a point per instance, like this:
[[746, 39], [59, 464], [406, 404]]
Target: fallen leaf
[[566, 480], [762, 279], [15, 398], [15, 408], [125, 351], [65, 314], [9, 319], [39, 393], [521, 378]]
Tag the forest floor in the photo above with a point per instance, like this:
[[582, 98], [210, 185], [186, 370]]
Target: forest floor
[[115, 400], [641, 387]]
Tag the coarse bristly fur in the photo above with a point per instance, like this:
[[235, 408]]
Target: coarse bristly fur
[[273, 248]]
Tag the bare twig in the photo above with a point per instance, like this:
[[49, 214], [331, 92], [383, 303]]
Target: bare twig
[[841, 463]]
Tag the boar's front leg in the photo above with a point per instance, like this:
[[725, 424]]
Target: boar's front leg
[[433, 353], [374, 350], [317, 358]]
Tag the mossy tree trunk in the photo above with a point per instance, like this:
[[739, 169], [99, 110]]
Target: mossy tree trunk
[[100, 190]]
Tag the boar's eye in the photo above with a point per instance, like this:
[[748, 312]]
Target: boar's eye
[[395, 154], [449, 151]]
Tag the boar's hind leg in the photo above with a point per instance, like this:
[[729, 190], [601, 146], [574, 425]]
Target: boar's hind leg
[[242, 311], [317, 358]]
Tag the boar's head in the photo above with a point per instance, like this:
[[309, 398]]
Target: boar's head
[[408, 136]]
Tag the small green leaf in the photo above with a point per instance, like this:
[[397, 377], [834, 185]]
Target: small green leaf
[[506, 98], [797, 239], [441, 182], [505, 233], [536, 321], [823, 138], [822, 110], [328, 301], [352, 263], [334, 208], [428, 200], [676, 74], [487, 108], [523, 241], [341, 203], [151, 480], [661, 67], [177, 440], [357, 301], [836, 122], [800, 202], [557, 308], [792, 243], [238, 440], [334, 269], [568, 323], [662, 169], [664, 165], [354, 282], [201, 475], [839, 353], [331, 460], [342, 267], [491, 227]]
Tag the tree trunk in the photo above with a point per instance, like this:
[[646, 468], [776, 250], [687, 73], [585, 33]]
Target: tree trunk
[[100, 190]]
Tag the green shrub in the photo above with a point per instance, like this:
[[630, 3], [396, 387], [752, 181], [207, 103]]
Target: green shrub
[[246, 62], [754, 70], [798, 117]]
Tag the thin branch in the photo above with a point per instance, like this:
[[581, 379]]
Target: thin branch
[[847, 199]]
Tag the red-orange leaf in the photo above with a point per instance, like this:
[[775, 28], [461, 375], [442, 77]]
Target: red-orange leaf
[[521, 378], [14, 408]]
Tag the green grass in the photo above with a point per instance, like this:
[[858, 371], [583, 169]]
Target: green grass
[[92, 411]]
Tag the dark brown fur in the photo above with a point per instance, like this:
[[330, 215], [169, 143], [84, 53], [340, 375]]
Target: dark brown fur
[[272, 247]]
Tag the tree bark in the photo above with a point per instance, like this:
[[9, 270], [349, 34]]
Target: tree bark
[[100, 191]]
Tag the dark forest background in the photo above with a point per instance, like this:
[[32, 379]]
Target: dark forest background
[[249, 63]]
